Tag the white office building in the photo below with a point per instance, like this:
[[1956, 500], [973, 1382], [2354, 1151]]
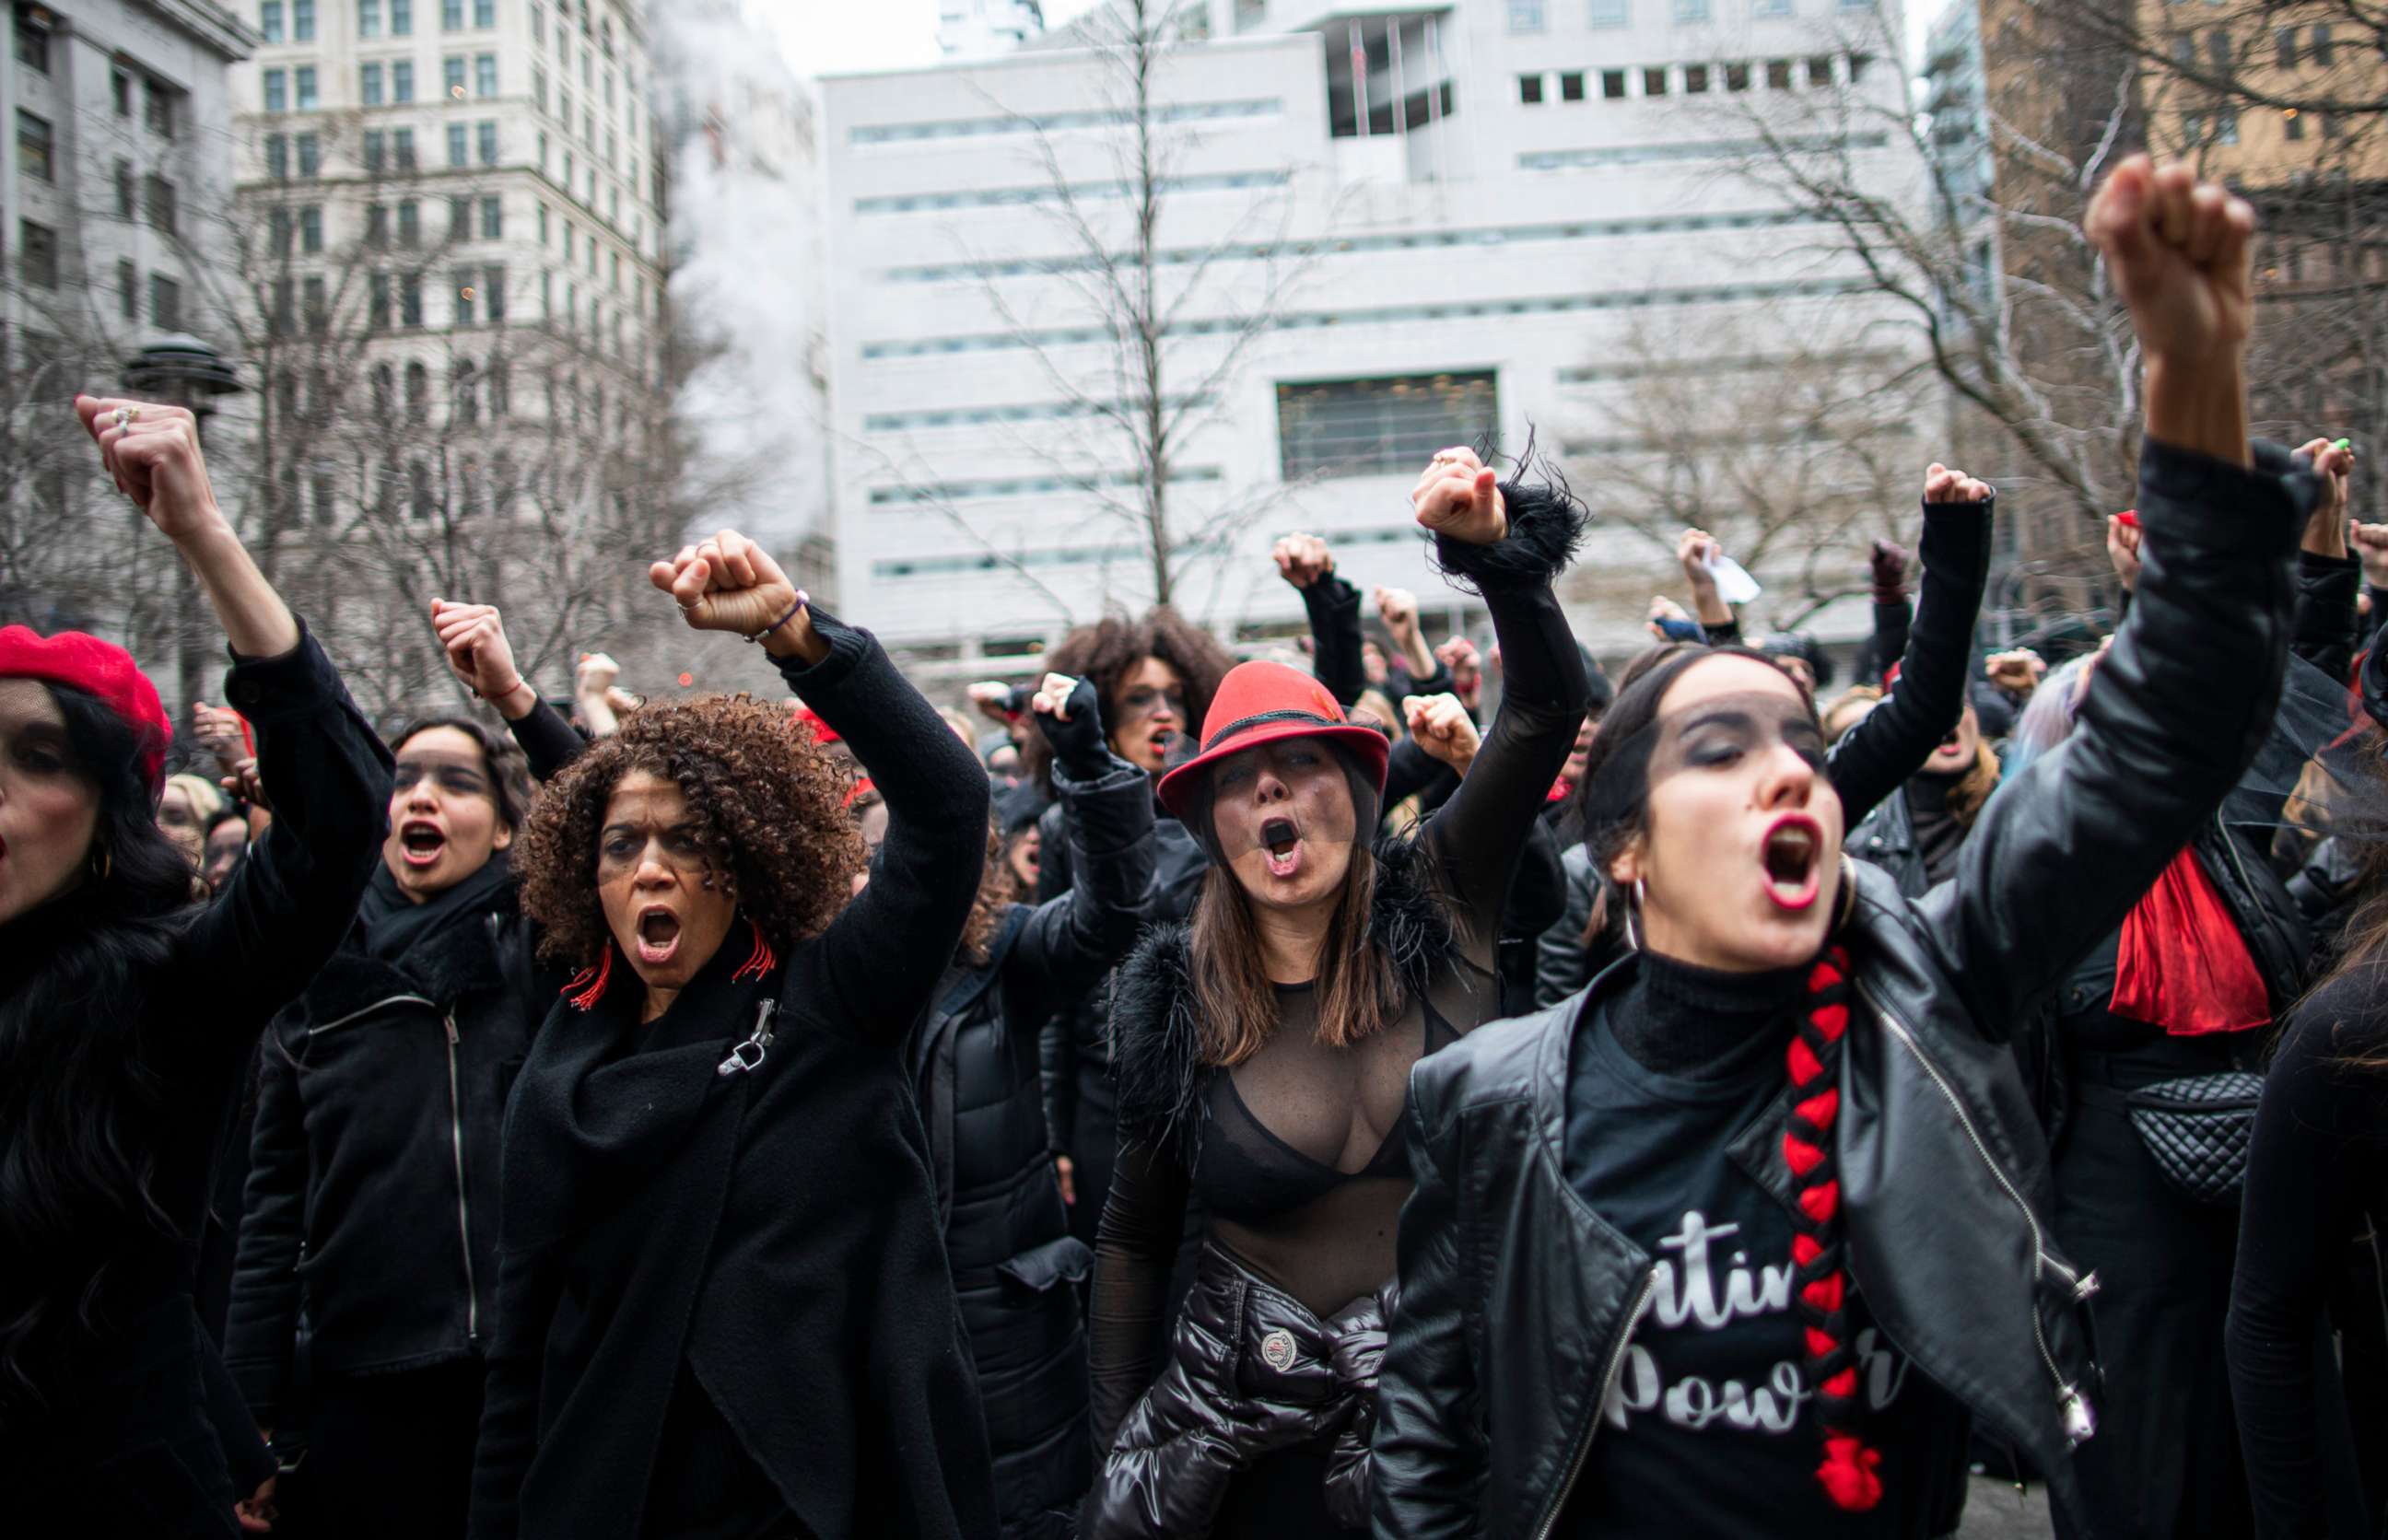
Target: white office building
[[1481, 218], [119, 122]]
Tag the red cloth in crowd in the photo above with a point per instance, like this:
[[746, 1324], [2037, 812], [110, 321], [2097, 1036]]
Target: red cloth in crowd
[[2183, 966]]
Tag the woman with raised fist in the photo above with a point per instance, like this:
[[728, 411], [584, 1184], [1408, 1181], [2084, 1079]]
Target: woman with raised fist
[[129, 1011], [1731, 1242], [1262, 1054], [723, 1301]]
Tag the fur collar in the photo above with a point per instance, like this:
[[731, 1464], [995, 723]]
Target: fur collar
[[1155, 1036]]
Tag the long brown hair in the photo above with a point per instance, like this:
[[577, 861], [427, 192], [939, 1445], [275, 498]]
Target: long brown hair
[[1358, 990], [1972, 792]]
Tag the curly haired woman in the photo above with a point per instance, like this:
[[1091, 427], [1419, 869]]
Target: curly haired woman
[[724, 1307]]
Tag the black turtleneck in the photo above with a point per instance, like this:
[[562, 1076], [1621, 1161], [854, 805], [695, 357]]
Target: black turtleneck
[[1938, 835], [1701, 1023]]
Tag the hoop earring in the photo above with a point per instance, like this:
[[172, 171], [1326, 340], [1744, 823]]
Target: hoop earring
[[1641, 897], [103, 862]]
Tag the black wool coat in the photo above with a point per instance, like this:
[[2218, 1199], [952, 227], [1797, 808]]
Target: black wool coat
[[737, 1197]]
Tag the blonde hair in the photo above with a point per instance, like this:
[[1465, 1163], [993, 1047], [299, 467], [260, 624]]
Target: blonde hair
[[206, 797]]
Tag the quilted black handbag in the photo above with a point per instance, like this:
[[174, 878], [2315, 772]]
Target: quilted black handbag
[[2198, 1129]]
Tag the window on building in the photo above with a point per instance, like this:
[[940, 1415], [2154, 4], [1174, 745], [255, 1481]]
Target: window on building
[[402, 80], [157, 203], [2217, 48], [277, 166], [485, 74], [278, 227], [1608, 13], [1691, 10], [376, 151], [2226, 126], [568, 177], [537, 23], [1736, 77], [303, 78], [410, 224], [369, 85], [1695, 79], [128, 289], [158, 111], [2322, 50], [32, 30], [376, 225], [461, 302], [485, 13], [401, 149], [1820, 73], [1379, 428], [451, 15], [460, 217], [302, 20], [165, 303], [1859, 64], [419, 501], [1525, 16], [315, 304], [484, 141], [282, 311], [460, 144], [410, 300], [494, 218], [277, 89], [542, 226], [269, 20], [369, 18], [33, 141], [311, 229], [2285, 43], [119, 90], [1769, 7], [2292, 124], [494, 304], [401, 17], [1778, 74], [378, 303], [568, 240], [1530, 90], [539, 88], [1571, 86], [452, 78], [1612, 85], [124, 189], [2333, 125], [1654, 81], [325, 502]]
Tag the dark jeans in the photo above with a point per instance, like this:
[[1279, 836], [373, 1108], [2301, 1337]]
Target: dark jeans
[[391, 1455]]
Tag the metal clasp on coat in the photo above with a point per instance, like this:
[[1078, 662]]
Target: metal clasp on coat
[[748, 1055]]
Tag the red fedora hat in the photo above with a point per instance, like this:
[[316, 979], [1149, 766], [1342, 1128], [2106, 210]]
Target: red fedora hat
[[1259, 704]]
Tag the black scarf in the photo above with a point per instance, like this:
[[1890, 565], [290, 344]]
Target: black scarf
[[1677, 1019], [394, 924]]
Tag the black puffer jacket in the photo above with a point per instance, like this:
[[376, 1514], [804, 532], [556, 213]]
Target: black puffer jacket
[[1518, 1302], [373, 1185], [975, 1067]]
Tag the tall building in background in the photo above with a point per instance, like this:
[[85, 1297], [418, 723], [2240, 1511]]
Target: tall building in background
[[1375, 236], [980, 29], [453, 213], [117, 162]]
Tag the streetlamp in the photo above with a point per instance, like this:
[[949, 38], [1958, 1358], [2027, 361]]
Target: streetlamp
[[183, 370]]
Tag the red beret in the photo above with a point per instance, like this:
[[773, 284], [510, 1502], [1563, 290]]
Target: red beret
[[822, 732], [100, 669]]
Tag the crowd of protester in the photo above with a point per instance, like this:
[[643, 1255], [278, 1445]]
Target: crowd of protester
[[1183, 1096]]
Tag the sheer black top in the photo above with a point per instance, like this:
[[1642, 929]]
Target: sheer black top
[[1299, 1169]]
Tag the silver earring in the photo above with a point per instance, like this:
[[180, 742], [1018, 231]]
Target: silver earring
[[1641, 896]]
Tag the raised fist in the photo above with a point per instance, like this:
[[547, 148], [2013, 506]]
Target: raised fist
[[2369, 542], [2178, 251], [1398, 608], [2018, 673], [2123, 548], [993, 700], [1887, 566], [1458, 497], [1943, 484], [1302, 560], [1695, 550], [1069, 714], [729, 583], [153, 453], [1442, 728], [218, 728], [474, 636], [595, 675]]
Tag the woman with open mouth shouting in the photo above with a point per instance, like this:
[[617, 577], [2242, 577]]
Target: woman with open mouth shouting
[[374, 1157], [128, 1013], [1262, 1051], [1733, 1242], [724, 1307]]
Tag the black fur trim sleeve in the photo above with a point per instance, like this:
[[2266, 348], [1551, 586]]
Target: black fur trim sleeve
[[1156, 1058], [1546, 523]]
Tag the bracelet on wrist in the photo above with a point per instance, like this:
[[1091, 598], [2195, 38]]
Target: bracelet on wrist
[[792, 611]]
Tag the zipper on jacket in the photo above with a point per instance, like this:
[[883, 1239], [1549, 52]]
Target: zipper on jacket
[[376, 1006], [2070, 1403], [463, 1205], [1608, 1376]]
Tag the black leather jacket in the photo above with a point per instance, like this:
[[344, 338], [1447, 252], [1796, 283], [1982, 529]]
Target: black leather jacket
[[1518, 1301]]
